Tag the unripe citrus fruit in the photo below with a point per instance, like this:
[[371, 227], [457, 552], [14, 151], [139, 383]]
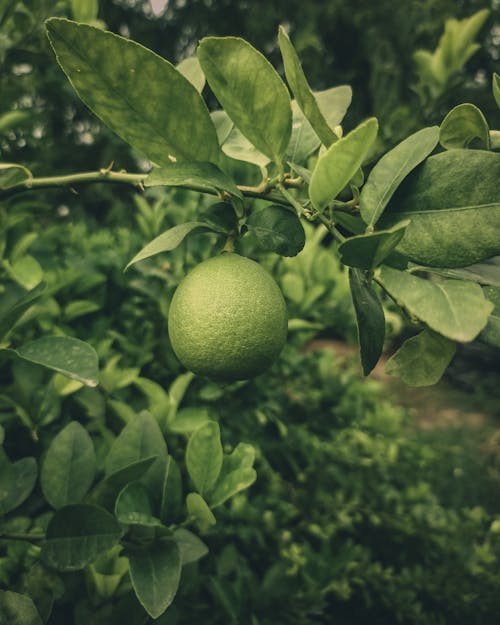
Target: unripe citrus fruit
[[227, 319]]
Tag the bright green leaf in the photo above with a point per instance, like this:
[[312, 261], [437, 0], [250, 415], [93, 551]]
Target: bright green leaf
[[12, 174], [135, 92], [491, 333], [370, 319], [465, 125], [84, 10], [199, 510], [458, 310], [69, 466], [422, 359], [277, 229], [496, 88], [155, 572], [190, 68], [391, 170], [453, 202], [77, 534], [237, 146], [250, 91], [189, 419], [367, 251], [71, 357], [340, 163], [204, 456], [303, 141], [223, 124]]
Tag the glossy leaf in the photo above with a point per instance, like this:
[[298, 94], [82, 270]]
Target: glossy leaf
[[250, 91], [133, 506], [190, 68], [12, 174], [496, 88], [391, 170], [11, 314], [191, 547], [135, 92], [155, 572], [278, 230], [301, 90], [204, 456], [422, 359], [456, 309], [77, 534], [453, 202], [367, 251], [71, 357], [17, 480], [18, 609], [491, 333], [69, 466], [195, 174], [464, 125], [340, 163], [199, 510], [487, 272], [168, 240], [171, 494], [236, 475], [237, 146], [370, 319]]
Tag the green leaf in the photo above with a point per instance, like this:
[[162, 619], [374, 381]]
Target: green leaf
[[135, 92], [17, 609], [155, 572], [189, 419], [191, 547], [220, 217], [198, 174], [250, 91], [370, 319], [204, 456], [391, 170], [26, 271], [456, 309], [277, 229], [487, 272], [12, 174], [422, 360], [141, 438], [301, 90], [71, 357], [340, 163], [236, 474], [84, 10], [464, 125], [12, 313], [77, 534], [190, 68], [367, 251], [133, 506], [453, 201], [303, 141], [198, 509], [491, 333], [168, 240], [17, 480], [496, 88], [223, 124], [171, 494], [333, 103], [237, 146], [69, 466]]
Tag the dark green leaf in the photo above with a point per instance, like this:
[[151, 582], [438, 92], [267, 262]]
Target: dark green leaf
[[422, 360], [278, 230], [491, 333], [456, 309], [17, 609], [340, 163], [370, 319], [155, 572], [304, 141], [189, 419], [301, 90], [139, 95], [17, 480], [133, 506], [12, 174], [496, 88], [367, 251], [391, 170], [191, 547], [204, 456], [71, 357], [453, 201], [171, 494], [220, 217], [465, 124], [487, 272], [11, 314], [77, 534], [250, 91], [69, 466], [202, 175]]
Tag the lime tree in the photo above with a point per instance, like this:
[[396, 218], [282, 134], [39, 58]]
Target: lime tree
[[227, 319]]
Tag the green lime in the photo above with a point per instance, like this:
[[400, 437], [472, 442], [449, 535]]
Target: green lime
[[227, 319]]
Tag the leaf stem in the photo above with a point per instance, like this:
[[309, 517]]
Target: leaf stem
[[21, 536]]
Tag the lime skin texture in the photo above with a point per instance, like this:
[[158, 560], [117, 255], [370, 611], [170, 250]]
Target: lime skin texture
[[227, 319]]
